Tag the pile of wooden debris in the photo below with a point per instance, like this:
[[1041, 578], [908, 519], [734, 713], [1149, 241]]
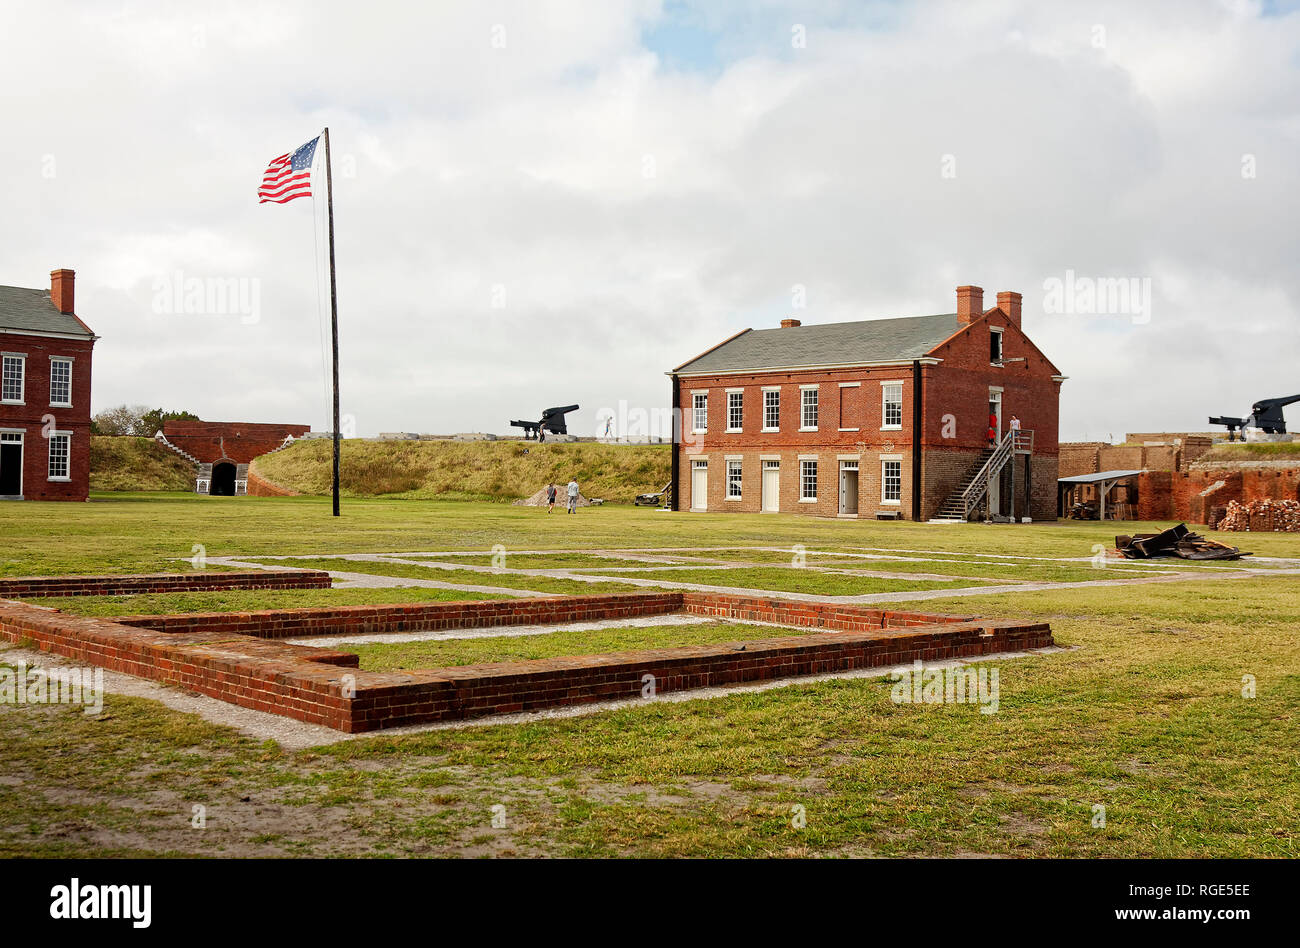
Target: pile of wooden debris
[[1176, 541], [1260, 516]]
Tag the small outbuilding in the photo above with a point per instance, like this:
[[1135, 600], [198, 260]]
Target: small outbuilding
[[1089, 496]]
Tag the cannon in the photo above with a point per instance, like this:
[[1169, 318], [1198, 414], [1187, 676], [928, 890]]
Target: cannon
[[552, 421], [1265, 415]]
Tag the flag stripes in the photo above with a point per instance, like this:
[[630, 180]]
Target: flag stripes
[[288, 176]]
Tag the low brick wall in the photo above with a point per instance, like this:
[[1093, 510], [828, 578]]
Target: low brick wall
[[810, 615], [308, 684], [393, 700], [291, 680], [259, 486], [31, 587], [415, 617]]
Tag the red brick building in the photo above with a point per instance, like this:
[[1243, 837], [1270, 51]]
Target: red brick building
[[45, 355], [879, 418]]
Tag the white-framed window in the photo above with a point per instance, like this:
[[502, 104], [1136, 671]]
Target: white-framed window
[[60, 455], [771, 409], [735, 410], [995, 347], [700, 412], [891, 406], [13, 372], [891, 482], [60, 382], [733, 480], [808, 409], [807, 480]]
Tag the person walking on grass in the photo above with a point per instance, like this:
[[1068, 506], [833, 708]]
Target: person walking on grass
[[573, 494], [550, 497]]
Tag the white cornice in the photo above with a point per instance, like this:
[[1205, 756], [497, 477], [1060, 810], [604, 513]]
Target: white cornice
[[765, 370]]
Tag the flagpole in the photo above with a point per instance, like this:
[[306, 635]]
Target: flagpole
[[334, 314]]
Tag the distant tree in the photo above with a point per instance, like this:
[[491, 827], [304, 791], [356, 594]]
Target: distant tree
[[138, 420], [151, 422], [121, 420]]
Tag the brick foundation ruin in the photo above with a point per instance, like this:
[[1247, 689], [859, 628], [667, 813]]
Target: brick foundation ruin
[[241, 658]]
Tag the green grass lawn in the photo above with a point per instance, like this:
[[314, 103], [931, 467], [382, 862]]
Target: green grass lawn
[[568, 587], [798, 580], [565, 642], [534, 560], [1145, 715], [249, 600]]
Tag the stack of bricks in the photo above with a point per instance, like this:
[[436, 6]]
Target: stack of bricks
[[1262, 516]]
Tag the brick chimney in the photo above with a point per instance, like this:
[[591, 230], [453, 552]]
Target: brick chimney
[[790, 323], [970, 304], [62, 286], [1009, 303]]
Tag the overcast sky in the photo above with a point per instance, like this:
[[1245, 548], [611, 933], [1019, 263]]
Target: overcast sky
[[542, 203]]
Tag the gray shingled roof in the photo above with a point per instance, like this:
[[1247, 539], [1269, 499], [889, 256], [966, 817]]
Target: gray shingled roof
[[32, 311], [870, 340]]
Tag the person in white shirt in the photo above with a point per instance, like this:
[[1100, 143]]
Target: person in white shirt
[[573, 495], [1015, 423]]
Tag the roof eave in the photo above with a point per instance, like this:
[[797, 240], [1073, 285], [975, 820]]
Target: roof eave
[[51, 333], [754, 370]]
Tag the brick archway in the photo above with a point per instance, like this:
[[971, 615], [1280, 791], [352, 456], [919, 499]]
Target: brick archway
[[223, 479]]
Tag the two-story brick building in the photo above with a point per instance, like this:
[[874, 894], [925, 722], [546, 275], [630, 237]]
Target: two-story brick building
[[878, 418], [45, 354]]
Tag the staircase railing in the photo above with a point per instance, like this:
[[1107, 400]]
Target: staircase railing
[[1013, 442]]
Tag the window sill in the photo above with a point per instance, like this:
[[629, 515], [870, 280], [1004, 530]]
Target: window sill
[[892, 503], [769, 430], [731, 498], [699, 431], [59, 480], [891, 427], [805, 428], [10, 401], [734, 431], [807, 500], [850, 429], [60, 404]]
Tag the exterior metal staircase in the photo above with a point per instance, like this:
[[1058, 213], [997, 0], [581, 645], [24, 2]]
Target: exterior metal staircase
[[974, 487]]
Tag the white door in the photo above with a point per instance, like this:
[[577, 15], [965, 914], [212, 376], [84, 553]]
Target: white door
[[699, 485], [771, 486], [848, 487]]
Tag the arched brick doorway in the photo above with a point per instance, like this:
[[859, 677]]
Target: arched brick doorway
[[223, 480]]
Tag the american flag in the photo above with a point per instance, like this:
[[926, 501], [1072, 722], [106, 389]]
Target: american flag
[[288, 176]]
